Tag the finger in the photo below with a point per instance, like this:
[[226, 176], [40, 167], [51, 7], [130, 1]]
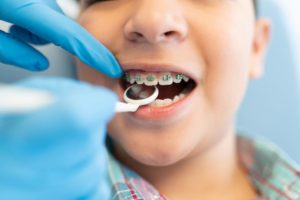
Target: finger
[[26, 36], [20, 54], [62, 31]]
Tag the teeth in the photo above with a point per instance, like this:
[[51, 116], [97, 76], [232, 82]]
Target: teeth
[[162, 103], [139, 78], [166, 79], [150, 79], [129, 78], [177, 78], [166, 102], [185, 78], [176, 98], [157, 103], [181, 96], [132, 80]]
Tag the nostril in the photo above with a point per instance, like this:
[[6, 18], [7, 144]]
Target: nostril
[[135, 36], [169, 33], [138, 34]]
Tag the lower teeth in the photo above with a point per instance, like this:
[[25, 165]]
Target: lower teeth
[[167, 102]]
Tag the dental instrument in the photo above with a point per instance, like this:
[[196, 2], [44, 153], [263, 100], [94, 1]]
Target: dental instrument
[[136, 96], [19, 100]]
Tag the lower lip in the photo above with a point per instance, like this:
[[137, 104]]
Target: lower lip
[[169, 112]]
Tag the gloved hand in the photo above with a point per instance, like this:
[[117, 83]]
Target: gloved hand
[[40, 22], [57, 152]]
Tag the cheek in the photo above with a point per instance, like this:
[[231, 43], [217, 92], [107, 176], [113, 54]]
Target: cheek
[[226, 50], [87, 74], [104, 26]]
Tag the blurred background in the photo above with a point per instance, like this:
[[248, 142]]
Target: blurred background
[[271, 108]]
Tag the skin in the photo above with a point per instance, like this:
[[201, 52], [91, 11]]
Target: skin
[[221, 43]]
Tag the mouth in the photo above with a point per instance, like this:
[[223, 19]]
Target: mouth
[[172, 86], [175, 88]]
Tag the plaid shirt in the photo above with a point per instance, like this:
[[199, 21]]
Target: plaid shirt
[[272, 173]]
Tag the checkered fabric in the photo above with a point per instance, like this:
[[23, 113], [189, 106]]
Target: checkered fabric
[[274, 174]]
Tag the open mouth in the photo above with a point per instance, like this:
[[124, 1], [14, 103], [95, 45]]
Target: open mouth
[[172, 86]]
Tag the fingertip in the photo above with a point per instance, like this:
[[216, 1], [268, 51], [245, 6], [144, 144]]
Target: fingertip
[[116, 70], [109, 66], [40, 64], [18, 53], [117, 74], [113, 72]]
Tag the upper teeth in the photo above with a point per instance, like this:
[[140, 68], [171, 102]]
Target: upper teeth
[[165, 78]]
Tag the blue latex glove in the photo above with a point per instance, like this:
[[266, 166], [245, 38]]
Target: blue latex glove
[[40, 22], [57, 152]]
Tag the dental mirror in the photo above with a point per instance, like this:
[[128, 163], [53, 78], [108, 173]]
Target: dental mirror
[[140, 94], [137, 95]]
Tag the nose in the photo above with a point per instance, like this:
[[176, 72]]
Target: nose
[[156, 21]]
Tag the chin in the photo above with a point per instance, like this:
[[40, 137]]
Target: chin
[[152, 147], [159, 155]]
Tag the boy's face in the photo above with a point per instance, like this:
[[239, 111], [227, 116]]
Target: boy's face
[[217, 44]]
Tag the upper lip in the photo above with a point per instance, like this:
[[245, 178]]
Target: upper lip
[[159, 67]]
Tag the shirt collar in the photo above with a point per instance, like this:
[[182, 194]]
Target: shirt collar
[[271, 171]]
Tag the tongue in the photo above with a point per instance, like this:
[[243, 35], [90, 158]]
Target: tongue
[[169, 91]]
